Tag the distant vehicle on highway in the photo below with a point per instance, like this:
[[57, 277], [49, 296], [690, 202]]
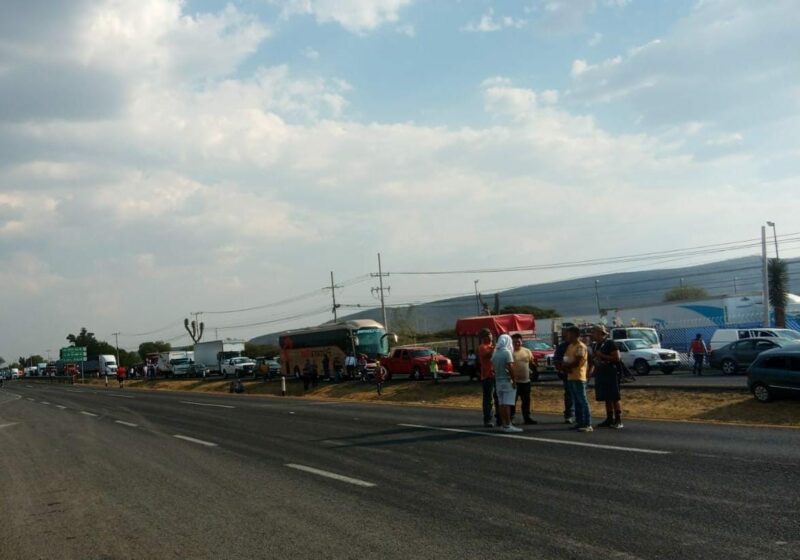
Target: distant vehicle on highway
[[640, 356], [179, 367], [722, 337], [197, 370], [415, 361], [543, 353], [268, 366], [468, 329], [167, 359], [360, 337], [238, 367], [214, 353], [775, 372], [737, 356]]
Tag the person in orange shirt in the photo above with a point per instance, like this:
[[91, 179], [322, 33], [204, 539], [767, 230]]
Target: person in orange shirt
[[485, 353]]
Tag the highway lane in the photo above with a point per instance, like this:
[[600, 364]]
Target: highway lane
[[434, 487]]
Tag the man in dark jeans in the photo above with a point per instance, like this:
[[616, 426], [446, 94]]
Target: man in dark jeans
[[523, 360], [558, 362], [485, 352]]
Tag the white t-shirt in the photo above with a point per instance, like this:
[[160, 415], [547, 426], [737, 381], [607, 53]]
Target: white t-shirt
[[500, 360]]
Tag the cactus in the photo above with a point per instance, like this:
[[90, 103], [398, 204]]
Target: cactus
[[194, 329]]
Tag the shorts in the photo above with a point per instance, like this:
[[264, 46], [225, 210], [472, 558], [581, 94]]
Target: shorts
[[506, 396]]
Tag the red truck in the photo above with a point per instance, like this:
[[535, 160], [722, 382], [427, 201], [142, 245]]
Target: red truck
[[467, 330], [415, 361]]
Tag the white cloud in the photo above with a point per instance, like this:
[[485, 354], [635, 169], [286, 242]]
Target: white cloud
[[595, 39], [358, 16], [488, 23], [311, 53]]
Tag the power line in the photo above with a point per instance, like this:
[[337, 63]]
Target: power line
[[685, 252]]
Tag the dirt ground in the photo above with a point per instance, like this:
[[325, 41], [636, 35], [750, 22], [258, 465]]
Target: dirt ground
[[663, 404]]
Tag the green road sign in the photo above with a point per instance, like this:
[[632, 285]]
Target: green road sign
[[73, 354]]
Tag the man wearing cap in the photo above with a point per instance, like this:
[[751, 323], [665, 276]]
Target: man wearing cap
[[485, 353], [604, 368]]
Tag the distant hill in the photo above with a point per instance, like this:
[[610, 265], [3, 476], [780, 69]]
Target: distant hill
[[577, 297]]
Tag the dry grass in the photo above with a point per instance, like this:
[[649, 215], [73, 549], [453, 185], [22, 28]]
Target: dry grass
[[662, 404]]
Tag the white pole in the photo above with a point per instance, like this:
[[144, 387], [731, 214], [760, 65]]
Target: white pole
[[283, 385], [380, 283], [765, 274]]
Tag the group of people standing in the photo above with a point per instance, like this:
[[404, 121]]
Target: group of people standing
[[505, 377]]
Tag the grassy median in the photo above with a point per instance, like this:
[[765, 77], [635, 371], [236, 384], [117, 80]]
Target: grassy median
[[702, 405]]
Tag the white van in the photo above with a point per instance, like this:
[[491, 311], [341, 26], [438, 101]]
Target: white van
[[722, 337], [649, 335]]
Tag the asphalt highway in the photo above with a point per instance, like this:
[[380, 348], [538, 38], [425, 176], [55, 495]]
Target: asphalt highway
[[94, 473]]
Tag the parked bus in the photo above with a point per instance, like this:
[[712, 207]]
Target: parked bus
[[336, 340]]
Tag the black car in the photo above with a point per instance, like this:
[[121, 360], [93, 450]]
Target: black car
[[775, 372], [738, 355]]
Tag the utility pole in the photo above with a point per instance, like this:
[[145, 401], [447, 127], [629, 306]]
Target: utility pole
[[765, 274], [775, 236], [597, 297], [380, 276], [477, 297], [735, 288], [116, 343], [333, 295]]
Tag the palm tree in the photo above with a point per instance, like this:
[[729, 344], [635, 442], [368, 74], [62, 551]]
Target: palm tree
[[778, 289]]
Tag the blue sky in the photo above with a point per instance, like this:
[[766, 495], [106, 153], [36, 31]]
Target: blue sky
[[159, 157]]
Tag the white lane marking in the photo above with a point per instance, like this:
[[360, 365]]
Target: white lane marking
[[88, 413], [29, 386], [194, 440], [30, 399], [129, 424], [120, 396], [207, 404], [76, 391], [543, 440], [61, 406], [44, 402], [331, 475], [8, 424]]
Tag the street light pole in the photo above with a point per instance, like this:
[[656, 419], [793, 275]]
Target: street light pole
[[775, 236], [477, 298], [765, 275], [116, 341]]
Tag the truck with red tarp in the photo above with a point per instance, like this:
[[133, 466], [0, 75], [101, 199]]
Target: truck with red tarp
[[468, 329]]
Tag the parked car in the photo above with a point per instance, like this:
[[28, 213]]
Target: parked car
[[737, 356], [543, 355], [179, 367], [415, 362], [775, 372], [239, 367], [268, 365], [722, 337], [638, 355], [197, 370]]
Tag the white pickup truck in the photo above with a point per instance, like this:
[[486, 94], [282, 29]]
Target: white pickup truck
[[238, 367], [639, 356]]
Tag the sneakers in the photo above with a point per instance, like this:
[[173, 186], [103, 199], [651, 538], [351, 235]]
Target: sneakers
[[585, 429], [488, 425], [607, 423], [617, 425], [511, 429], [531, 422], [569, 420]]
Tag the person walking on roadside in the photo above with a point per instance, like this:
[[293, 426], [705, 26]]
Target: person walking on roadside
[[558, 363], [307, 375], [314, 374], [523, 359], [433, 367], [326, 368], [337, 369], [350, 364], [699, 351], [472, 365], [575, 365], [485, 353], [505, 386], [605, 369], [380, 378], [121, 372]]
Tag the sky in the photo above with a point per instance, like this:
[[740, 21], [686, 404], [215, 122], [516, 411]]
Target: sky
[[162, 157]]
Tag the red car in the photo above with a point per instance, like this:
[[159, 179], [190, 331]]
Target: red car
[[542, 354], [415, 362]]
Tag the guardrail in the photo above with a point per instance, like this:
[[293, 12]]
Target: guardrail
[[59, 379]]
